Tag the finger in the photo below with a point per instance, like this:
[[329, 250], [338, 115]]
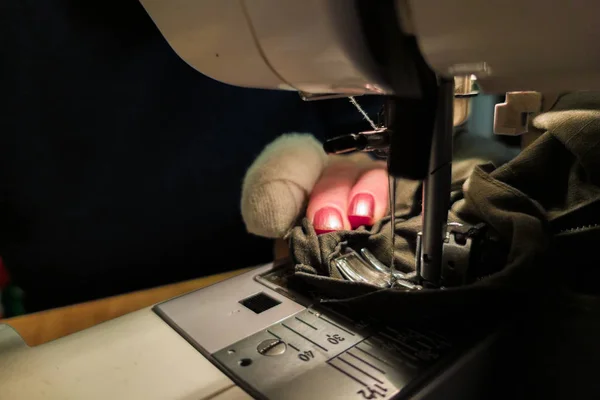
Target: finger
[[368, 199], [277, 185], [329, 199]]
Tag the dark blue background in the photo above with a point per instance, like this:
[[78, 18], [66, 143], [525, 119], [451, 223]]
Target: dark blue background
[[120, 165]]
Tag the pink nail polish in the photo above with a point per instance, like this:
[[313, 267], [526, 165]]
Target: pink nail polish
[[361, 210], [327, 219]]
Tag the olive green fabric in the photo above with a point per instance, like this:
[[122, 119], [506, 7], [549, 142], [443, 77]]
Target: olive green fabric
[[536, 203]]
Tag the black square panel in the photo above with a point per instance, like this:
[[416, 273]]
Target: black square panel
[[259, 302]]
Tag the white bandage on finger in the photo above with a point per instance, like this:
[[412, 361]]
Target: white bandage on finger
[[277, 185]]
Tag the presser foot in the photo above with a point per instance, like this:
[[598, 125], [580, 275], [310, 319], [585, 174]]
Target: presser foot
[[366, 268]]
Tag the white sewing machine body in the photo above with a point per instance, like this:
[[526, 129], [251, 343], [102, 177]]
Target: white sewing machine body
[[137, 356], [207, 345], [321, 47]]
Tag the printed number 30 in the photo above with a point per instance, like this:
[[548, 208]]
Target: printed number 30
[[335, 339]]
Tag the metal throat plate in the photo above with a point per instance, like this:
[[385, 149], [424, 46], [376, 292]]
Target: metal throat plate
[[277, 348]]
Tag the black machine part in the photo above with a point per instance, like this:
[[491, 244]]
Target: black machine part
[[418, 125], [470, 253], [411, 112]]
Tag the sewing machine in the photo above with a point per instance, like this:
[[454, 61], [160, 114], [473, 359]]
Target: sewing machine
[[255, 336]]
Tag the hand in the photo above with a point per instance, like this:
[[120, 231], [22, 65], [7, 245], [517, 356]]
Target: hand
[[293, 177]]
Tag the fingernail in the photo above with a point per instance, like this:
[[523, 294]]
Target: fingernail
[[327, 219], [361, 210]]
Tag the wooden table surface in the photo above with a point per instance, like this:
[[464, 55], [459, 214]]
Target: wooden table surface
[[42, 327]]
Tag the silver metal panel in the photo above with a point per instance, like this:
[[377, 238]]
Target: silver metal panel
[[293, 352], [326, 358], [213, 318]]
